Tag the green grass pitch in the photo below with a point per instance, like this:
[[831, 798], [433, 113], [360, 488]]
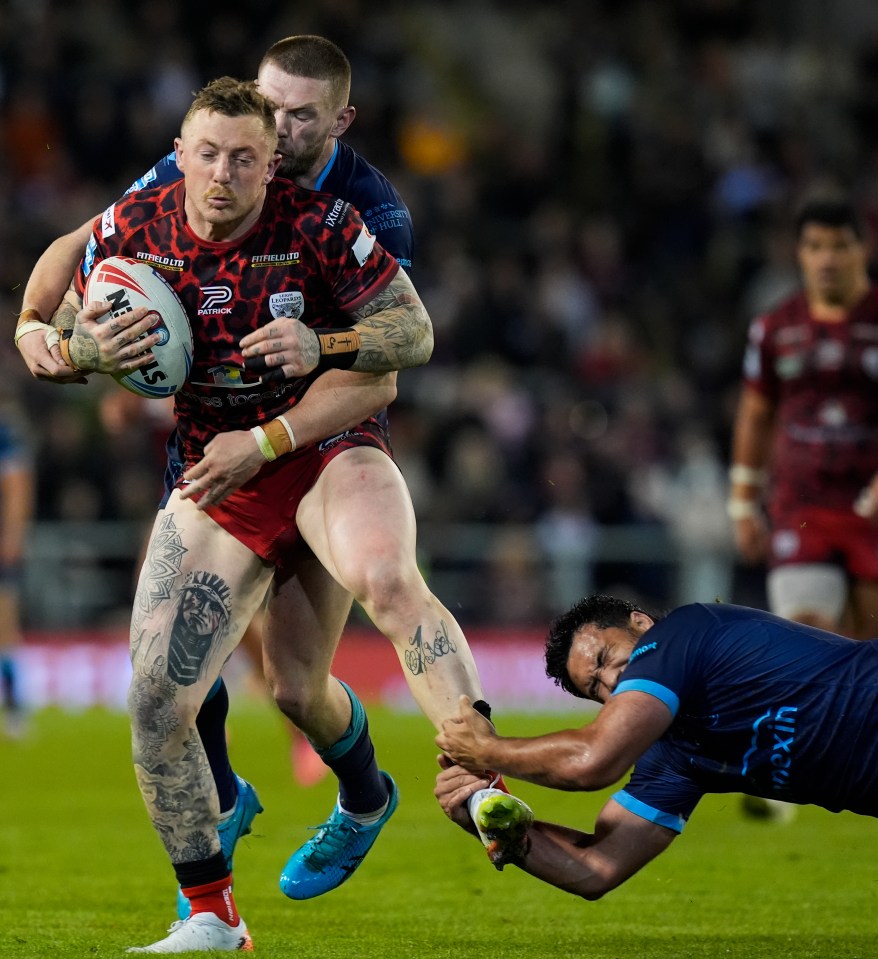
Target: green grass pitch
[[82, 874]]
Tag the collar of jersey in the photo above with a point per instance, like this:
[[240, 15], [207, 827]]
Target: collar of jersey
[[329, 165]]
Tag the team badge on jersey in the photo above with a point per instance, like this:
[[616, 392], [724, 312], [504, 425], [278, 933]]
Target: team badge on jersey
[[284, 305]]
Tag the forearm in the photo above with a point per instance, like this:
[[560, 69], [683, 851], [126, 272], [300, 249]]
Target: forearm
[[337, 401], [561, 857], [751, 446], [51, 274], [565, 760]]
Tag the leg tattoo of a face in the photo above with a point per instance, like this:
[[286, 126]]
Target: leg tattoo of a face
[[200, 624]]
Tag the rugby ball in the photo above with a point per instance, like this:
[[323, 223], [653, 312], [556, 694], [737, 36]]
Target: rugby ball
[[127, 284]]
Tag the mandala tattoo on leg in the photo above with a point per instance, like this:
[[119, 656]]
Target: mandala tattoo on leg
[[423, 653], [163, 565]]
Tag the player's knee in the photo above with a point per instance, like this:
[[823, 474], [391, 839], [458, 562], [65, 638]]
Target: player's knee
[[155, 705], [384, 587], [294, 698]]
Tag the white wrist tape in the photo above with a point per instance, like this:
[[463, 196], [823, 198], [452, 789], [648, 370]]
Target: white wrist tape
[[742, 508]]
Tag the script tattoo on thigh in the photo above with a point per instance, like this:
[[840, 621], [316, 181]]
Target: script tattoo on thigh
[[423, 654], [200, 625]]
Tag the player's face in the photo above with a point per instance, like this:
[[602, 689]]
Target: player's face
[[226, 163], [306, 119], [201, 613], [598, 656], [833, 262]]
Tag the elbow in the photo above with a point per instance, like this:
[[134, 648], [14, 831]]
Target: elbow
[[427, 341], [602, 879], [577, 775], [390, 389], [592, 895]]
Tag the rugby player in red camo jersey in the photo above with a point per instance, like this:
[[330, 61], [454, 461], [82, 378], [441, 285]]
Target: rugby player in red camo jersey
[[253, 494], [308, 78], [805, 443]]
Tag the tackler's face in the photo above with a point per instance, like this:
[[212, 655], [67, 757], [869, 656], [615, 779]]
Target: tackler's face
[[306, 116], [598, 656]]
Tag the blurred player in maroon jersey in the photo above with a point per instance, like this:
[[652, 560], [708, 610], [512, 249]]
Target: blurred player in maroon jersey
[[805, 446]]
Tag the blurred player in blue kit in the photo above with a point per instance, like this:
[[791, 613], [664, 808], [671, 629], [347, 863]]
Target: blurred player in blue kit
[[17, 484], [709, 699]]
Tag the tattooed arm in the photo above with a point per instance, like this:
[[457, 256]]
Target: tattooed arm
[[390, 332], [110, 346]]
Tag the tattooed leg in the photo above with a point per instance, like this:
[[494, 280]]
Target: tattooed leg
[[198, 589], [358, 520], [171, 767]]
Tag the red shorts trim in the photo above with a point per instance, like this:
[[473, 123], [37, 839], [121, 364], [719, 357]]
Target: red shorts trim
[[262, 513], [838, 537]]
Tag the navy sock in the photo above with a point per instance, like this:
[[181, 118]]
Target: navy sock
[[211, 723], [202, 871], [361, 787], [8, 679]]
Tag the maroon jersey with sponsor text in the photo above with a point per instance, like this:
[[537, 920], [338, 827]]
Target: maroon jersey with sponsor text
[[822, 379], [308, 256]]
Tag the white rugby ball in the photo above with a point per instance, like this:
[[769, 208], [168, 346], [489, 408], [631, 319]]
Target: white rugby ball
[[127, 284]]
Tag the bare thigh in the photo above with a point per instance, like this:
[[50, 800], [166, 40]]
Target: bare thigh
[[198, 589], [359, 521]]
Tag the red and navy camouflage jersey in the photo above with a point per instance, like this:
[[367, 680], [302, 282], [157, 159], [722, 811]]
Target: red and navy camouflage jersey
[[308, 256], [822, 379]]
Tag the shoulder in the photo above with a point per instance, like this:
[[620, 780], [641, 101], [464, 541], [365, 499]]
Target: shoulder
[[164, 172], [138, 209], [356, 179]]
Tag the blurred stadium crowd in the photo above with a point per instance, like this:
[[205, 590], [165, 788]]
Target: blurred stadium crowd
[[601, 194]]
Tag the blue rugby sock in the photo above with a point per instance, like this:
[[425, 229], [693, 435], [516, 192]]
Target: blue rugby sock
[[361, 787], [211, 724]]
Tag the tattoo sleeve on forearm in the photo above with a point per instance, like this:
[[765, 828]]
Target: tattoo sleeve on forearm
[[395, 330], [64, 318]]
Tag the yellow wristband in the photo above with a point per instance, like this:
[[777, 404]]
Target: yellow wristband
[[286, 425], [264, 443], [742, 508], [747, 475]]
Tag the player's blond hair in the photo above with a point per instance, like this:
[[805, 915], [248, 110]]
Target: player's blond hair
[[234, 98]]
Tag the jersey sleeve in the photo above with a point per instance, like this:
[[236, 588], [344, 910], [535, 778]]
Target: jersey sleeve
[[667, 662], [105, 240], [659, 790], [357, 266], [390, 222]]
